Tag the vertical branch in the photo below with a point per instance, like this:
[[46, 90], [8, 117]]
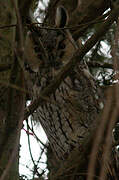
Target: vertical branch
[[15, 107], [107, 146], [107, 122], [99, 137]]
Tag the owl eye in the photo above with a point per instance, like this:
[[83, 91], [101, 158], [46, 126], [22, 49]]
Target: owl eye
[[61, 18]]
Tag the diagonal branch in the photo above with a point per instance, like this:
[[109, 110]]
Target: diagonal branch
[[78, 55]]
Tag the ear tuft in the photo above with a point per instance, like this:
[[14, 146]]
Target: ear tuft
[[61, 19]]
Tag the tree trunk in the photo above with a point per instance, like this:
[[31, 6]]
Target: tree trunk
[[12, 96], [70, 110], [65, 96]]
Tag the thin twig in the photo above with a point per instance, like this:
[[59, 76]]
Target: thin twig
[[54, 28], [5, 67], [7, 26], [78, 55], [19, 24], [29, 145]]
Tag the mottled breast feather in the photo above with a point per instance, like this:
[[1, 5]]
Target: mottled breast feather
[[71, 110]]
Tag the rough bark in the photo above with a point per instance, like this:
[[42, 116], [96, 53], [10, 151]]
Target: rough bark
[[64, 96], [12, 96], [69, 113]]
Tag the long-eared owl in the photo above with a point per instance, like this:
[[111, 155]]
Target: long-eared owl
[[68, 113]]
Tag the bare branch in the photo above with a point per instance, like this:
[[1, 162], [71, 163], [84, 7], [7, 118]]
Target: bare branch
[[78, 55]]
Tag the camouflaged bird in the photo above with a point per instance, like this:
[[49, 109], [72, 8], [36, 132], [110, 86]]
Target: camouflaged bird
[[69, 112]]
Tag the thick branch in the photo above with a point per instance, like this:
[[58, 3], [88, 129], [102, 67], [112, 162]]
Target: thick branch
[[78, 55]]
